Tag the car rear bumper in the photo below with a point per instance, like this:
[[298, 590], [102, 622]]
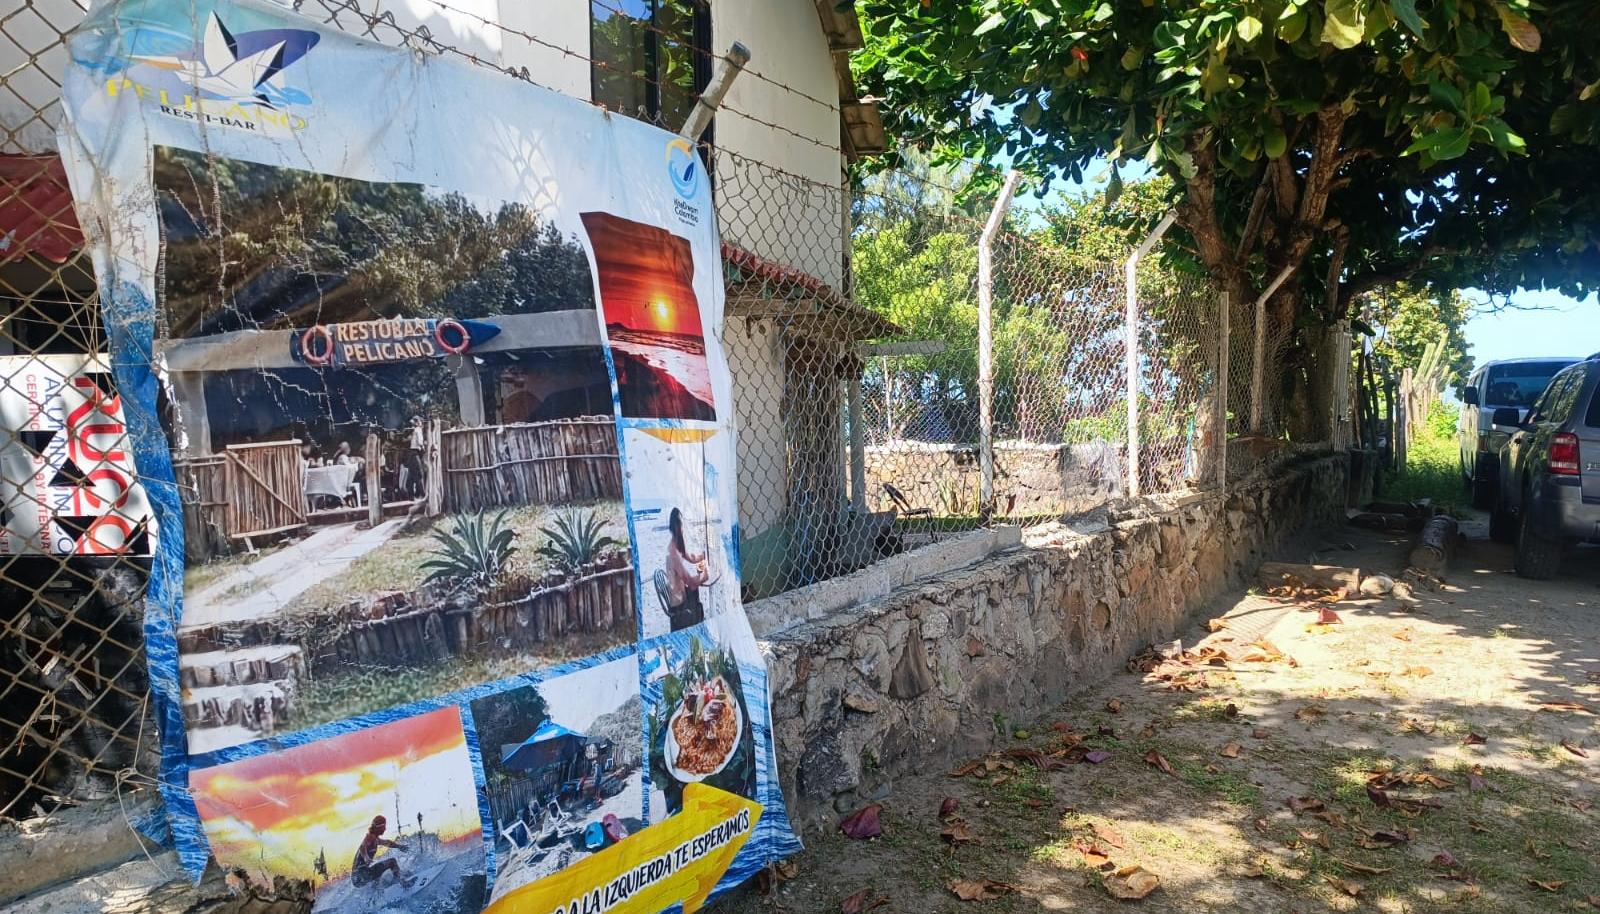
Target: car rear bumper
[[1564, 510]]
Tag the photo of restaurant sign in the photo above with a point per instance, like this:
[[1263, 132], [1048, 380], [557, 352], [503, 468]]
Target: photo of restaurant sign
[[396, 444]]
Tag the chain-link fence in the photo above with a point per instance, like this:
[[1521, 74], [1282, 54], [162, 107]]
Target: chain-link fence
[[851, 331]]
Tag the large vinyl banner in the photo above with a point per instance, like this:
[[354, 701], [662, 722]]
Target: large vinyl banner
[[420, 367]]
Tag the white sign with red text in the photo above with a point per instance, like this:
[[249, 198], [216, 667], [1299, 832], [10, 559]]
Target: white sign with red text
[[67, 480]]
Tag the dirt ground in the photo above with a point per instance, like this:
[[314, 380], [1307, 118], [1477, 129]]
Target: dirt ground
[[1474, 706]]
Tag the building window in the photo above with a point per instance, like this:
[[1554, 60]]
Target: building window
[[650, 57]]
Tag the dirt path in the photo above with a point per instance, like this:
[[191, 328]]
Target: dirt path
[[260, 589], [1409, 689]]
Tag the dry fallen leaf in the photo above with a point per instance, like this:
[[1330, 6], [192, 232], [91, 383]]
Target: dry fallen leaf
[[1299, 805], [859, 903], [1097, 756], [1403, 634], [1260, 733], [1535, 852], [957, 833], [1315, 837], [1132, 883], [964, 770], [1231, 750], [1362, 868], [1327, 616], [948, 807], [1417, 671], [1156, 760], [1444, 860], [980, 889], [863, 823], [1108, 835], [1310, 713], [1594, 901], [1114, 705], [1566, 706], [1474, 739], [1477, 826], [1551, 886], [1216, 625], [1579, 751], [1094, 856], [1347, 886]]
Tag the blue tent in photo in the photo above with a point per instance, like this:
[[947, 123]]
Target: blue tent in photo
[[549, 745]]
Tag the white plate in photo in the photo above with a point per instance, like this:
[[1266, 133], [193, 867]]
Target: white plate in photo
[[671, 748]]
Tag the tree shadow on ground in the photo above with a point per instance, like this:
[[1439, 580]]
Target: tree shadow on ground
[[1481, 685]]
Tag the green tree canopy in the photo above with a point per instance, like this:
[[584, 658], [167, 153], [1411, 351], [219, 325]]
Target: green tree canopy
[[1348, 144]]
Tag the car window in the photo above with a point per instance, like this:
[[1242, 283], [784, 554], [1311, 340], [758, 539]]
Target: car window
[[1593, 419], [1556, 403], [1565, 397], [1519, 384]]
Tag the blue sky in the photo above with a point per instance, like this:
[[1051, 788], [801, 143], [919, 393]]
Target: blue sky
[[1538, 323]]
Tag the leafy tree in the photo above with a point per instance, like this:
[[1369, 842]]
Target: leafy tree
[[505, 719], [1408, 320], [1344, 144], [258, 246]]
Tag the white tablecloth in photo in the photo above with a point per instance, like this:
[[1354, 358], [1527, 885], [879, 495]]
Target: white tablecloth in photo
[[333, 480]]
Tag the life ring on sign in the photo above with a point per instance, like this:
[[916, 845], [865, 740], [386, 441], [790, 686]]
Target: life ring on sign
[[451, 323], [309, 352]]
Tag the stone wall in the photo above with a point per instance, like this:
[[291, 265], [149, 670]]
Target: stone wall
[[910, 682], [1030, 479]]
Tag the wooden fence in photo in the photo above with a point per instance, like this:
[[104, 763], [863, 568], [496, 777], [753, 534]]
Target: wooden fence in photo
[[530, 463], [423, 630], [203, 489]]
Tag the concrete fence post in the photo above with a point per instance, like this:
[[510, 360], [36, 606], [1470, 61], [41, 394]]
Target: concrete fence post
[[986, 341], [1224, 317], [1131, 346], [729, 66]]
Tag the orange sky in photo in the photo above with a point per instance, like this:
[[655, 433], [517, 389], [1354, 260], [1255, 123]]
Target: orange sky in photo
[[645, 276], [278, 811]]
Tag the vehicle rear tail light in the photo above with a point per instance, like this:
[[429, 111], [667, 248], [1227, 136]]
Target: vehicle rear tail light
[[1564, 455], [1483, 443]]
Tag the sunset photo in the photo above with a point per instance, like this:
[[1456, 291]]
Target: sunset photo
[[652, 319], [389, 813]]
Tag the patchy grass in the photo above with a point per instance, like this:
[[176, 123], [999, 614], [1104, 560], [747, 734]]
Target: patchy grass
[[1433, 464]]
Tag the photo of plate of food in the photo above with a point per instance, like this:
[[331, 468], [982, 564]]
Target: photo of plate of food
[[699, 725], [704, 731]]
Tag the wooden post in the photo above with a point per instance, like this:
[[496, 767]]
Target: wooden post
[[374, 482], [1130, 346], [991, 228], [434, 461]]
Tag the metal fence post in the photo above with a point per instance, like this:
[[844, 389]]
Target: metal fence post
[[1224, 316], [1131, 346], [1258, 368], [986, 341]]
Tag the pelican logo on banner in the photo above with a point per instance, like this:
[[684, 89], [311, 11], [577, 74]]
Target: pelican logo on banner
[[67, 481], [226, 79], [375, 342]]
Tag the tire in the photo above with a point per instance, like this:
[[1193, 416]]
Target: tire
[[1502, 525], [1538, 556], [1485, 492]]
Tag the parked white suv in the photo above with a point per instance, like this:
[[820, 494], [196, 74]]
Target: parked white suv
[[1508, 383]]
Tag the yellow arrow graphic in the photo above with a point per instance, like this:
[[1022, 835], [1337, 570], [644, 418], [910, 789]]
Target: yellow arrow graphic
[[680, 435], [678, 860]]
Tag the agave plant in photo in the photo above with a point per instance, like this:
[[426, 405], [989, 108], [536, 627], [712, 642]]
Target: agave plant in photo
[[576, 540], [474, 554]]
